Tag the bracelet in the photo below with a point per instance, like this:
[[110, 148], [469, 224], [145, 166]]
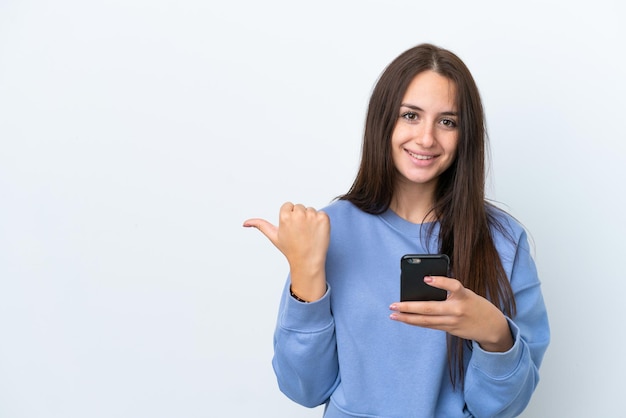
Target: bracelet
[[296, 297]]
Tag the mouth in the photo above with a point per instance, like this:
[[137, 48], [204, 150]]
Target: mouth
[[420, 156]]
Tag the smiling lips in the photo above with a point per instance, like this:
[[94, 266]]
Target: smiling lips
[[420, 156]]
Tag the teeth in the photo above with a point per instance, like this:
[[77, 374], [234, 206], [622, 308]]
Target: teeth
[[420, 157]]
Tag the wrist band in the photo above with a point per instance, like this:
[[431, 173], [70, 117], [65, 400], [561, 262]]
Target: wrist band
[[296, 297]]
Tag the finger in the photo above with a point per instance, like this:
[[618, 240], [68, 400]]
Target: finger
[[427, 308], [299, 208], [287, 207], [443, 282], [266, 228], [287, 210]]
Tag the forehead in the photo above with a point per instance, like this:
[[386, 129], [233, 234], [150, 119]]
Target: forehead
[[431, 88]]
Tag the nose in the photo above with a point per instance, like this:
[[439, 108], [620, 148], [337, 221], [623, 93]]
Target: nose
[[425, 136]]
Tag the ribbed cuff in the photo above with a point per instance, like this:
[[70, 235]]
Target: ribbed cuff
[[307, 317], [498, 365]]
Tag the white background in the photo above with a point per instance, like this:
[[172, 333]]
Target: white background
[[137, 136]]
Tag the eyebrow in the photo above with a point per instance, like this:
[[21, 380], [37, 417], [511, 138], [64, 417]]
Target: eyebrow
[[413, 107]]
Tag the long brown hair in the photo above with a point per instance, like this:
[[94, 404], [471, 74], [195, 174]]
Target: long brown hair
[[466, 219]]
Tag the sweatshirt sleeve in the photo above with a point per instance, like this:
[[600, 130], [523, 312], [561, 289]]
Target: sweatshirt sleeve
[[305, 352], [501, 384]]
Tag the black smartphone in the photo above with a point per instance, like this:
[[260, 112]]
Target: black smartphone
[[413, 269]]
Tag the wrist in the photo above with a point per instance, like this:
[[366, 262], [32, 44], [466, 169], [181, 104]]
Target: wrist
[[308, 284], [307, 293], [501, 340], [296, 297]]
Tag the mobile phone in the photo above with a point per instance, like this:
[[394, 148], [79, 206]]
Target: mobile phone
[[413, 269]]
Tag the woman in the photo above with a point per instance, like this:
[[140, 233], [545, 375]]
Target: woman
[[419, 189]]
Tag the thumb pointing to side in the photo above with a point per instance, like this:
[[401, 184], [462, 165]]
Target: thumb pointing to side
[[303, 236], [266, 228]]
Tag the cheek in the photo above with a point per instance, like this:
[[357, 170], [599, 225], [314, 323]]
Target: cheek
[[394, 136], [452, 146], [399, 136], [451, 151]]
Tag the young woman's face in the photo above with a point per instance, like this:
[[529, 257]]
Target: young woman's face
[[424, 140]]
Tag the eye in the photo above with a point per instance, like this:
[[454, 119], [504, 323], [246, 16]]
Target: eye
[[410, 116], [448, 123]]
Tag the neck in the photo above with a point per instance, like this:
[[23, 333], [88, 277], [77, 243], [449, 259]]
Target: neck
[[413, 204]]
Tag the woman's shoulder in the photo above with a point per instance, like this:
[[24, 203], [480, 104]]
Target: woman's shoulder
[[345, 213], [504, 226], [339, 208]]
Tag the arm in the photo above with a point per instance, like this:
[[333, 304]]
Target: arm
[[511, 377], [506, 353], [305, 356]]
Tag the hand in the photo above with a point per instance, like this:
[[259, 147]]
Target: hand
[[303, 236], [463, 314]]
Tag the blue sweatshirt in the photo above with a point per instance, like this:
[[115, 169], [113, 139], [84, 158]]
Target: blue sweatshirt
[[345, 352]]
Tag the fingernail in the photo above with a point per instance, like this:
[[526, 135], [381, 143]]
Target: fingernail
[[393, 316], [393, 307], [428, 279]]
